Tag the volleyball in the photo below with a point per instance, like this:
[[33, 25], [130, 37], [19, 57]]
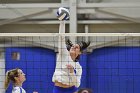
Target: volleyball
[[63, 13]]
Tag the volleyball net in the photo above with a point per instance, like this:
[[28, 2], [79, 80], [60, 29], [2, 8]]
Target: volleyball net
[[111, 63]]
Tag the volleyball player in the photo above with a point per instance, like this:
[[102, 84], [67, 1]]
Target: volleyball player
[[17, 77], [84, 90], [68, 71]]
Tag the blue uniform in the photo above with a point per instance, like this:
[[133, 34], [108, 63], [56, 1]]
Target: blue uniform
[[64, 90]]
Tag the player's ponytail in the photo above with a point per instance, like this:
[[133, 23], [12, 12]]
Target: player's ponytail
[[83, 45], [7, 80], [68, 44], [10, 76]]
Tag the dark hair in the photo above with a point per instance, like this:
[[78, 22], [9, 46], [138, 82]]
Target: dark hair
[[83, 45], [82, 89], [10, 76], [77, 58]]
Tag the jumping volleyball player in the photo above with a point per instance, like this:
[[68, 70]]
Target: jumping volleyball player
[[68, 71]]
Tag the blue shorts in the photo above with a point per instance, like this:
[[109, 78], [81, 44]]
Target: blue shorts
[[57, 89]]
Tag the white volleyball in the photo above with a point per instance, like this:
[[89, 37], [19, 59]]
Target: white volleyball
[[63, 13]]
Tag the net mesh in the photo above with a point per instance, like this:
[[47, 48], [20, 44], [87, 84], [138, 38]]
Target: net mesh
[[111, 63]]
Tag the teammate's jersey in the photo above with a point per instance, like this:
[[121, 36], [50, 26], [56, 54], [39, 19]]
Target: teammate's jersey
[[18, 90]]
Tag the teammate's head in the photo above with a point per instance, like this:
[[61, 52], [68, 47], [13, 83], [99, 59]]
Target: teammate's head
[[84, 90], [16, 76]]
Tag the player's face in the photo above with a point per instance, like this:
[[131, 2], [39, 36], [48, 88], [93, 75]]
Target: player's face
[[75, 50], [21, 76]]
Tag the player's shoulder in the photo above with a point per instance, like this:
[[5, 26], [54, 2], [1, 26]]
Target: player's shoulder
[[16, 90], [78, 65]]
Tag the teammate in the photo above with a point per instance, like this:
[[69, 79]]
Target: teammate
[[84, 90], [68, 71], [17, 77]]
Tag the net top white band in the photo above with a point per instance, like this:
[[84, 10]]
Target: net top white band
[[70, 34]]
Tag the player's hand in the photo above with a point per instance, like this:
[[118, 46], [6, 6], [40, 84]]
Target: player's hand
[[70, 67]]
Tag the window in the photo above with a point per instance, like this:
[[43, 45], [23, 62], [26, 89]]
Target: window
[[15, 55]]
